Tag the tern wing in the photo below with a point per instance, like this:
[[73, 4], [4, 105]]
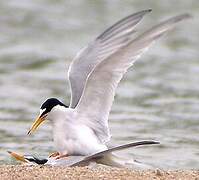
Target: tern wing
[[110, 150], [95, 103], [103, 46]]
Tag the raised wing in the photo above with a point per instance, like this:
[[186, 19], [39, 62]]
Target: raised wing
[[95, 104], [103, 46]]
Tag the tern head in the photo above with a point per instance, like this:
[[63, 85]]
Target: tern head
[[45, 110]]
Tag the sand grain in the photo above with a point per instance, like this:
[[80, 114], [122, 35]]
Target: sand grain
[[16, 172]]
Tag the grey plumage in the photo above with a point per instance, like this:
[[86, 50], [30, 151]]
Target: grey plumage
[[94, 76], [103, 46], [104, 157], [99, 91]]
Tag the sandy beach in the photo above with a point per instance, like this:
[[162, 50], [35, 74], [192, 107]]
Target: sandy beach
[[46, 172]]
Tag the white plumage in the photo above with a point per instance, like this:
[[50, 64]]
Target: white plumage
[[94, 75]]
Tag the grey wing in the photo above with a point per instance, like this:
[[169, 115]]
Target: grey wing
[[103, 46], [96, 101], [117, 148]]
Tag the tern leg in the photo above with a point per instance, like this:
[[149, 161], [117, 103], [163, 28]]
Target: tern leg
[[61, 156], [54, 154]]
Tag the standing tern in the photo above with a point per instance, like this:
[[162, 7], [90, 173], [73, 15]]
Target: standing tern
[[94, 74], [105, 157]]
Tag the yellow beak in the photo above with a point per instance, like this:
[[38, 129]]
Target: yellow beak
[[17, 156], [36, 124]]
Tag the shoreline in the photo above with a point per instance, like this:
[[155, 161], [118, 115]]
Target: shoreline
[[49, 172]]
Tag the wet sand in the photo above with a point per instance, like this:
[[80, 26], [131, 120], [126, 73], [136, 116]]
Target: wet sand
[[44, 172]]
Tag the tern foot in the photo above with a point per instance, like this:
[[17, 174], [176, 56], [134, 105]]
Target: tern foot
[[61, 156], [54, 154]]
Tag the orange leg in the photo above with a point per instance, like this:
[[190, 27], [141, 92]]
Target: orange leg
[[61, 156], [54, 154]]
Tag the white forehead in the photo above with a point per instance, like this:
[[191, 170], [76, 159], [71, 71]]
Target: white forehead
[[42, 110]]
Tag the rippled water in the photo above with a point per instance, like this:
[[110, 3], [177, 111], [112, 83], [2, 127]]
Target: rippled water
[[157, 99]]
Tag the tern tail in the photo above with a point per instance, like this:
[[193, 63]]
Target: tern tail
[[113, 160], [117, 161]]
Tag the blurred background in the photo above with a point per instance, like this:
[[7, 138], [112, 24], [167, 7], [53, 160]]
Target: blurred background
[[157, 99]]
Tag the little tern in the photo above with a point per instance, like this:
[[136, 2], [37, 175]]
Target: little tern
[[105, 157], [94, 74]]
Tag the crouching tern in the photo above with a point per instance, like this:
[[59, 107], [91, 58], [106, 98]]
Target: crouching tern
[[94, 74], [105, 157]]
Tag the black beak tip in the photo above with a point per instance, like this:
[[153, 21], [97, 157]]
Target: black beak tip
[[9, 152], [29, 132]]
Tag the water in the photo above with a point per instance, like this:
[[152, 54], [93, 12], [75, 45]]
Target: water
[[158, 98]]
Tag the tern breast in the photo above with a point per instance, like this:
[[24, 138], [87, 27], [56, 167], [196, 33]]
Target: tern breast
[[72, 137]]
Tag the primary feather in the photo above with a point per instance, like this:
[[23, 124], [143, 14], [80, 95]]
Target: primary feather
[[102, 47], [99, 91]]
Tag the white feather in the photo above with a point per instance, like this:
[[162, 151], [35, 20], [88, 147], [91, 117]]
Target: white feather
[[96, 101], [84, 130], [102, 47], [71, 137]]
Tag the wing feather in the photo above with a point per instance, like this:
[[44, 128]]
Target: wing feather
[[96, 101], [103, 46], [110, 150]]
